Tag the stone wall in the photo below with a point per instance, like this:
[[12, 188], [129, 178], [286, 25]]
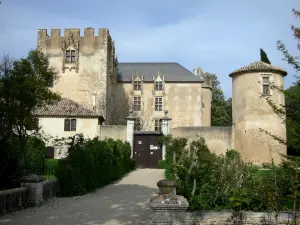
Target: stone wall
[[13, 199], [112, 131], [225, 217], [50, 188], [218, 139]]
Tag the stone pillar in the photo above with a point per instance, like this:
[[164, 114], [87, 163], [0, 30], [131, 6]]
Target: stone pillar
[[130, 130], [167, 207], [165, 128], [34, 183]]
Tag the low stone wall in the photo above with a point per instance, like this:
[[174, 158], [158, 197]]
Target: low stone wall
[[225, 217], [50, 188], [112, 131], [218, 139], [13, 200]]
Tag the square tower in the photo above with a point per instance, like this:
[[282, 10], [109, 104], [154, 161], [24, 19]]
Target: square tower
[[85, 65]]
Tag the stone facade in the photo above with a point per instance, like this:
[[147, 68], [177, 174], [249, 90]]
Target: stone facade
[[251, 112], [85, 65], [90, 75], [87, 73]]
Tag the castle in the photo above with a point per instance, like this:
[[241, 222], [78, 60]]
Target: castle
[[98, 91]]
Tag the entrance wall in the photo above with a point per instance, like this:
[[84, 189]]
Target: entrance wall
[[218, 139]]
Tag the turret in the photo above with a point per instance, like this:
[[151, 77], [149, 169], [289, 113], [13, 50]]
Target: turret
[[251, 86]]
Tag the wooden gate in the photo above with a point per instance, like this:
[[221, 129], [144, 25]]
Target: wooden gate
[[146, 149]]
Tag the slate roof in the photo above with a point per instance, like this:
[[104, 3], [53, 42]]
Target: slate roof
[[171, 71], [259, 66], [65, 108]]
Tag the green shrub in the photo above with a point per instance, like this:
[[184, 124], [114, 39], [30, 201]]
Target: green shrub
[[36, 151], [212, 182], [161, 164], [94, 164]]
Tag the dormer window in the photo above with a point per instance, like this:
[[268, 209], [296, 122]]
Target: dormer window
[[158, 85], [137, 85], [70, 56]]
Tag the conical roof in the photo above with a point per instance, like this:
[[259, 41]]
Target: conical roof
[[258, 66]]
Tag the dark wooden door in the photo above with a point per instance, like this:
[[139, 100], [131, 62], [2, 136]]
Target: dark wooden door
[[155, 151], [147, 151], [141, 151]]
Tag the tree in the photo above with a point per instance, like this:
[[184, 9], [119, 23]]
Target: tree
[[221, 112], [264, 56], [290, 114], [25, 88]]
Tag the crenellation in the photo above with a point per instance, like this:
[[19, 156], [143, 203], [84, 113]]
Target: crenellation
[[55, 40], [75, 32], [42, 37], [89, 32], [88, 42]]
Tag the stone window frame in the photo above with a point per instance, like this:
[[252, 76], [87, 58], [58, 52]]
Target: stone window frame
[[137, 81], [157, 124], [158, 82], [70, 124], [266, 83], [70, 45], [137, 103], [158, 103]]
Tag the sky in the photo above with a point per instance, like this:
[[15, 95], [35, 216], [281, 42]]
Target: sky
[[217, 35]]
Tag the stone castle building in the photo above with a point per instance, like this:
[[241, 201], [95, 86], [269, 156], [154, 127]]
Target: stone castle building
[[89, 74], [98, 90]]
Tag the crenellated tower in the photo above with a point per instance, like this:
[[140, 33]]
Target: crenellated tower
[[86, 65]]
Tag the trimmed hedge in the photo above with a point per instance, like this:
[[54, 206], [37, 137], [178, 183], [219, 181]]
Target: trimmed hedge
[[92, 165]]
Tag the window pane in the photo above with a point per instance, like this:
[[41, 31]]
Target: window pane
[[266, 89], [158, 85], [68, 59], [137, 85], [73, 52], [73, 59], [68, 53], [266, 80], [67, 125], [73, 125], [137, 103], [157, 126]]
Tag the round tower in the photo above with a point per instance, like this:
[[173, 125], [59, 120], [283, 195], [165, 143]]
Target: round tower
[[251, 87]]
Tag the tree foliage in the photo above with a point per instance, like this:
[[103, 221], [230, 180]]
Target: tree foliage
[[221, 108], [290, 115], [264, 56], [23, 88]]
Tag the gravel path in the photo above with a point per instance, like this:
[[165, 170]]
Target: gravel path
[[125, 202]]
